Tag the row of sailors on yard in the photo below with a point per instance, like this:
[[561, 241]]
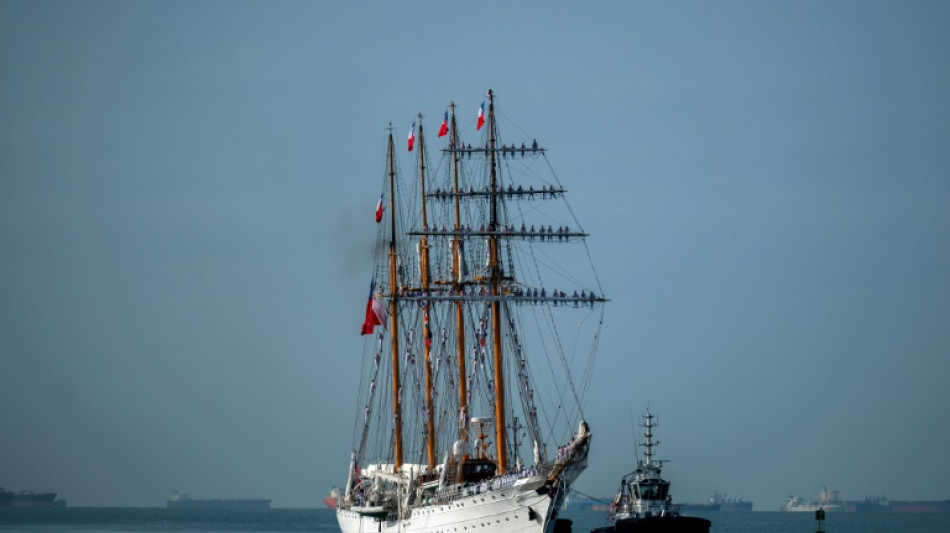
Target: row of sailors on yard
[[545, 191], [505, 149], [534, 293], [583, 297], [562, 233]]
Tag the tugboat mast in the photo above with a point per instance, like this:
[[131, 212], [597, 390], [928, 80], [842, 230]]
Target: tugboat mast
[[648, 436]]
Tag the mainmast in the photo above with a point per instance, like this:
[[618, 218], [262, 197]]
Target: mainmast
[[457, 265], [426, 331], [495, 282], [393, 309]]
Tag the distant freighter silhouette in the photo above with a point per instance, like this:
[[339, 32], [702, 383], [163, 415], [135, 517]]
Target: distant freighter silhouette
[[182, 501]]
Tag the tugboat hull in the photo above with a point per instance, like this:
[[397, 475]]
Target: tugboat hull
[[658, 524]]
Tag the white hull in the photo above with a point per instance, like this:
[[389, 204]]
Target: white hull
[[811, 508], [508, 510]]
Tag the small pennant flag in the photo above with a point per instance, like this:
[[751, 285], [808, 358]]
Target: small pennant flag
[[375, 313], [412, 137], [481, 117], [379, 209], [444, 129]]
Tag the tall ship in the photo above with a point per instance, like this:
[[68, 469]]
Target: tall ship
[[183, 501], [480, 331], [644, 503]]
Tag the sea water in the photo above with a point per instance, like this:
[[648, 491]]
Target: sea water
[[148, 520]]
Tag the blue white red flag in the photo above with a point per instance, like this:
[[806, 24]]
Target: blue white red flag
[[444, 129], [481, 117], [412, 133], [379, 209]]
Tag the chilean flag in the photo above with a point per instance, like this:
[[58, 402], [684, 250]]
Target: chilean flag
[[379, 209], [481, 117], [444, 129], [412, 137], [375, 313]]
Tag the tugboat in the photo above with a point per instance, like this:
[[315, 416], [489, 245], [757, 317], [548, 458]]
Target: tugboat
[[643, 503]]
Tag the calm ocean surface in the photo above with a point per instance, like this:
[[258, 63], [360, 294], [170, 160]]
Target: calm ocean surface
[[101, 520]]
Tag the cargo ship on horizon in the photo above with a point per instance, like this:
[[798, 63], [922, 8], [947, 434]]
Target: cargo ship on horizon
[[919, 506], [828, 500], [183, 501], [719, 502], [333, 499], [27, 498]]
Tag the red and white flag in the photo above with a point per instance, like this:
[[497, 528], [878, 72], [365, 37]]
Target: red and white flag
[[412, 135], [375, 313], [444, 129], [379, 209], [481, 117]]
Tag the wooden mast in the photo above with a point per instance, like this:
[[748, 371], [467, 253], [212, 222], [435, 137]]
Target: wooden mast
[[426, 331], [495, 282], [457, 274], [393, 309], [459, 287]]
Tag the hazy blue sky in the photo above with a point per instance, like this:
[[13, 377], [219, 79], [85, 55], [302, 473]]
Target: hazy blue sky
[[185, 198]]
